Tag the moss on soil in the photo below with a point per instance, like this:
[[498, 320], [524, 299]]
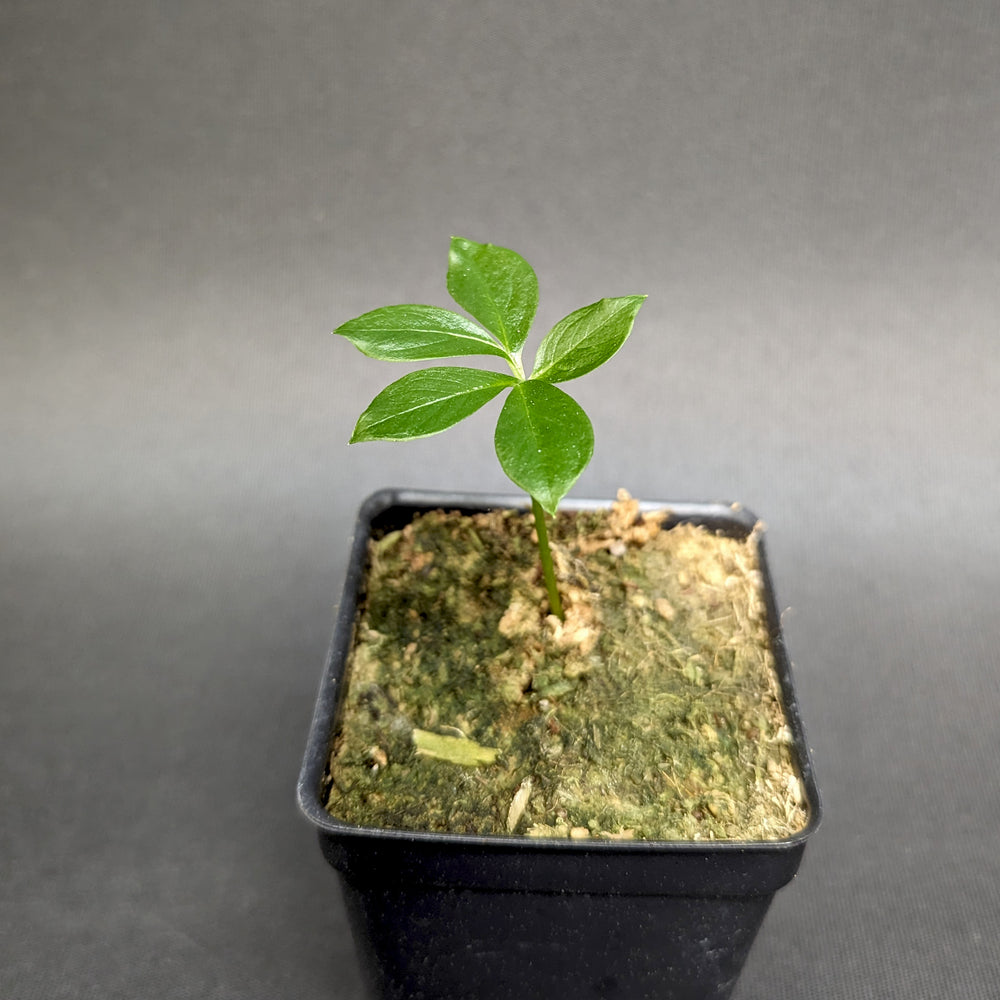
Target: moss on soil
[[652, 712]]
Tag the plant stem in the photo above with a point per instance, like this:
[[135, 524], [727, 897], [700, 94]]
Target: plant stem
[[545, 553], [514, 361]]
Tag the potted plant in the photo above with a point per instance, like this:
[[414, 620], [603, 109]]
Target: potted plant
[[556, 749]]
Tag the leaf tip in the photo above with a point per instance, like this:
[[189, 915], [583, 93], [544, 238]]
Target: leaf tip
[[361, 432], [549, 504]]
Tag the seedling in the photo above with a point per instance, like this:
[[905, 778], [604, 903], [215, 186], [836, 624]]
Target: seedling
[[543, 438]]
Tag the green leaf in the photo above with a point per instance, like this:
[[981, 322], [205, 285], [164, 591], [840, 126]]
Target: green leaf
[[495, 285], [544, 441], [426, 402], [585, 339], [417, 333]]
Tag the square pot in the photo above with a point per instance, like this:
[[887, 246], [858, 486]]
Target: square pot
[[449, 916]]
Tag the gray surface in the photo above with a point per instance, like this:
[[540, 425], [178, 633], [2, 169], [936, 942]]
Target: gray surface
[[194, 194]]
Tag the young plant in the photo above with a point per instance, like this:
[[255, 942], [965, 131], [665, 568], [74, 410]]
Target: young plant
[[543, 438]]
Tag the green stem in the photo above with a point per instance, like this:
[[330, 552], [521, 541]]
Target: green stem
[[548, 570], [514, 361]]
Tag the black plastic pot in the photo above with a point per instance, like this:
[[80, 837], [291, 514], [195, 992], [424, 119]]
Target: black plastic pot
[[450, 917]]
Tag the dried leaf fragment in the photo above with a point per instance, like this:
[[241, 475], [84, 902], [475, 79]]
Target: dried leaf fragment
[[455, 749], [518, 804]]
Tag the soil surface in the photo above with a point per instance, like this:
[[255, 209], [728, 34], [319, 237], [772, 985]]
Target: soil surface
[[651, 712]]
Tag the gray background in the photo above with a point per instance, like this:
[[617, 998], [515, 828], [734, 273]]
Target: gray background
[[194, 194]]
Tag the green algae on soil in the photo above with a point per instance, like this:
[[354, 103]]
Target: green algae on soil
[[652, 711]]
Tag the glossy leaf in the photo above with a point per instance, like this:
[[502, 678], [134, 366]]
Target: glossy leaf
[[426, 402], [417, 333], [544, 441], [497, 286], [585, 339]]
